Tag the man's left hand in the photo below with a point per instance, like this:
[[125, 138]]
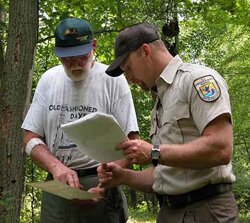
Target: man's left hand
[[136, 151]]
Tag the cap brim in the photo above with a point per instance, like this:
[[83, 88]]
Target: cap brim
[[114, 69], [74, 50]]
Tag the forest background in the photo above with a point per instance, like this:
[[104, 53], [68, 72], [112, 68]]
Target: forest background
[[210, 32]]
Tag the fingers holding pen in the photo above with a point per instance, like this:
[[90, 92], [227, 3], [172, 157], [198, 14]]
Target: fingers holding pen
[[103, 174], [109, 174]]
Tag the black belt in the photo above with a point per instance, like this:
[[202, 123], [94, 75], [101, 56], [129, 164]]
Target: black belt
[[181, 200], [86, 172]]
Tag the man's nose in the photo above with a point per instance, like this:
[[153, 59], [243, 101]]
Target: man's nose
[[79, 61]]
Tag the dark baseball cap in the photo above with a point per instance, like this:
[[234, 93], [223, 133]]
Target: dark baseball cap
[[128, 40], [73, 37]]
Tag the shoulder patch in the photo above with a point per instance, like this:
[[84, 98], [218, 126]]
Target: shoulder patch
[[207, 88]]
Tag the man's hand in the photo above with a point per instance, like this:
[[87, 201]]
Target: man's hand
[[110, 174], [98, 191], [136, 151], [66, 175]]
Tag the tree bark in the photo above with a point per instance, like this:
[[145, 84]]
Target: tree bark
[[15, 88], [2, 13]]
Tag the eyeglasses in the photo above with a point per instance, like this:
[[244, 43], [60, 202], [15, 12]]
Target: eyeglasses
[[80, 57]]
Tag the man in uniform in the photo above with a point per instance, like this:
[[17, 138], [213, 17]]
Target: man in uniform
[[191, 132]]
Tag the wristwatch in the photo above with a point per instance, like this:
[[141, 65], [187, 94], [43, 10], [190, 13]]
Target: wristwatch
[[155, 154]]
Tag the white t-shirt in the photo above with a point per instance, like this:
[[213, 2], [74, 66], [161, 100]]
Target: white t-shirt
[[60, 100]]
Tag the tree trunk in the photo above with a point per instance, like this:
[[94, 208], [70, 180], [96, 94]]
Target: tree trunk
[[15, 88]]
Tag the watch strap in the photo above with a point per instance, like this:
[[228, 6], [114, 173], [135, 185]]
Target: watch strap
[[155, 154], [155, 162]]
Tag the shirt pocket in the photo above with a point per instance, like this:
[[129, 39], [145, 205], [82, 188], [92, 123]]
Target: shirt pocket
[[173, 122], [175, 112]]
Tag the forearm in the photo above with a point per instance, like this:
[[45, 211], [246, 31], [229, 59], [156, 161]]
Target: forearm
[[42, 156], [139, 180], [124, 163], [214, 148], [190, 156]]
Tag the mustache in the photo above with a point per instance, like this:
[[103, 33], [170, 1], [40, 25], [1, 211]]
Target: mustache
[[76, 68]]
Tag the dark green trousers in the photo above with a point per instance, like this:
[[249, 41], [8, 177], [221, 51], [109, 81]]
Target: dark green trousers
[[111, 209]]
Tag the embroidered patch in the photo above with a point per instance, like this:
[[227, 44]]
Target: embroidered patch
[[71, 31], [207, 88]]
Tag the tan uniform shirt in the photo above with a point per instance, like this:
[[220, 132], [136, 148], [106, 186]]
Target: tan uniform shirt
[[190, 96]]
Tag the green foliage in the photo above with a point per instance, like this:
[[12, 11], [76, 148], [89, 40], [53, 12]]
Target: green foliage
[[212, 32], [141, 214], [143, 102], [32, 196], [245, 218]]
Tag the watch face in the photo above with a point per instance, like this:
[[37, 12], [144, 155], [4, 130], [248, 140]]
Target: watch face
[[155, 154]]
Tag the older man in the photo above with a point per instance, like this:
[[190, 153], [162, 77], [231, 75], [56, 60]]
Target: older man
[[66, 93]]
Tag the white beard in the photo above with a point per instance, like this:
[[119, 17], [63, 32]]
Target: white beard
[[79, 74]]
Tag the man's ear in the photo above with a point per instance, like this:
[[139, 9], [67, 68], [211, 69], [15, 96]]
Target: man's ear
[[94, 42], [146, 50]]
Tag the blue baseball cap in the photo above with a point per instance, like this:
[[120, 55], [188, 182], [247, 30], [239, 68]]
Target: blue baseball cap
[[73, 37]]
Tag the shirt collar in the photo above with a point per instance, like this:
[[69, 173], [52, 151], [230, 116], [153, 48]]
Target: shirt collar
[[171, 69], [169, 72]]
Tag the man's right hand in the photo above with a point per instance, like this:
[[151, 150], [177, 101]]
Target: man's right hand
[[110, 174], [66, 175], [43, 157]]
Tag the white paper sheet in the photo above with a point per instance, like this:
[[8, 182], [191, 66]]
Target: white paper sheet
[[63, 190], [97, 134]]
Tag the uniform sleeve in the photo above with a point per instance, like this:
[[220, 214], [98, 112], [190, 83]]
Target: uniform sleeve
[[34, 120], [208, 96], [123, 108]]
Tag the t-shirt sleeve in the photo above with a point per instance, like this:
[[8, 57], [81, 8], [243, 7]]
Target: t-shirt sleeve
[[208, 96], [123, 108], [34, 120]]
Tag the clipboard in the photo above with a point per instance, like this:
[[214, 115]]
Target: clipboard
[[63, 190], [97, 135]]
